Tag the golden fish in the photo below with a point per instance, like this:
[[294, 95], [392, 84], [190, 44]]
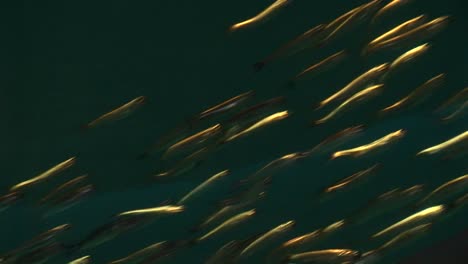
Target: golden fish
[[423, 216], [406, 57], [63, 187], [193, 140], [361, 150], [358, 97], [226, 105], [337, 139], [458, 101], [358, 176], [270, 10], [82, 260], [362, 80], [265, 121], [388, 8], [400, 29], [203, 186], [118, 113], [231, 222], [419, 93], [138, 256], [161, 210], [447, 189], [420, 33], [323, 65], [47, 174], [326, 255], [453, 142], [268, 236]]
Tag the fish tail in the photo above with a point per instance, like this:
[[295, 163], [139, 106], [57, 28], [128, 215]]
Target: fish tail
[[258, 66]]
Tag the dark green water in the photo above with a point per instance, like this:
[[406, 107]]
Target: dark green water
[[65, 63]]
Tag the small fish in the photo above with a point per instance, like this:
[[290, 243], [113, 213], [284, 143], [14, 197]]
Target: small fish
[[265, 121], [379, 143], [267, 237], [388, 8], [82, 260], [420, 33], [68, 200], [446, 190], [398, 30], [47, 174], [158, 248], [228, 224], [41, 255], [323, 65], [226, 106], [419, 94], [405, 58], [351, 180], [421, 217], [336, 140], [256, 109], [310, 38], [160, 210], [193, 140], [459, 101], [358, 97], [460, 139], [262, 16], [203, 186], [118, 113], [9, 199], [360, 81], [228, 253], [324, 256], [63, 187]]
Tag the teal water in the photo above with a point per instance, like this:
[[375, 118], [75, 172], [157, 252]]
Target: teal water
[[65, 63]]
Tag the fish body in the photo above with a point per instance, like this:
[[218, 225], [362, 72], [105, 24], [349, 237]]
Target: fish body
[[336, 140], [405, 58], [262, 16], [139, 256], [9, 199], [226, 106], [389, 8], [60, 189], [203, 186], [337, 256], [160, 210], [461, 139], [354, 179], [82, 260], [404, 238], [322, 65], [265, 121], [447, 189]]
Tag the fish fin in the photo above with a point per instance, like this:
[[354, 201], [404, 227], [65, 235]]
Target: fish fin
[[258, 66]]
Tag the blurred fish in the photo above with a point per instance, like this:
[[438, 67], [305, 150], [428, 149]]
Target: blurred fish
[[321, 66], [63, 187], [252, 112], [193, 141], [228, 253], [9, 199], [458, 141], [262, 16], [419, 94], [160, 210], [156, 249], [459, 102], [388, 8], [398, 30], [228, 224], [367, 93], [82, 260], [265, 121], [308, 39], [200, 188], [118, 113], [405, 58], [68, 200], [379, 143], [387, 202], [336, 140], [446, 190], [226, 106], [266, 238], [331, 256], [424, 216], [43, 176], [357, 83], [420, 33], [41, 255]]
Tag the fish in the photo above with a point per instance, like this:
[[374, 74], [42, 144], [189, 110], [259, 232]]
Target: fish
[[447, 189], [348, 182], [421, 33], [82, 260], [158, 248], [308, 39], [454, 142], [267, 237], [160, 210], [387, 202], [63, 187], [459, 101], [323, 65], [118, 113], [388, 8], [55, 170], [228, 224], [193, 141], [265, 121], [9, 199], [424, 216], [358, 97], [405, 58], [262, 16], [203, 186], [421, 92], [68, 200], [227, 254], [360, 81], [226, 106], [41, 255], [255, 110], [379, 143], [334, 141], [324, 256]]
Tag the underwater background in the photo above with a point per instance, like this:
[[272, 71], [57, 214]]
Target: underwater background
[[63, 63]]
